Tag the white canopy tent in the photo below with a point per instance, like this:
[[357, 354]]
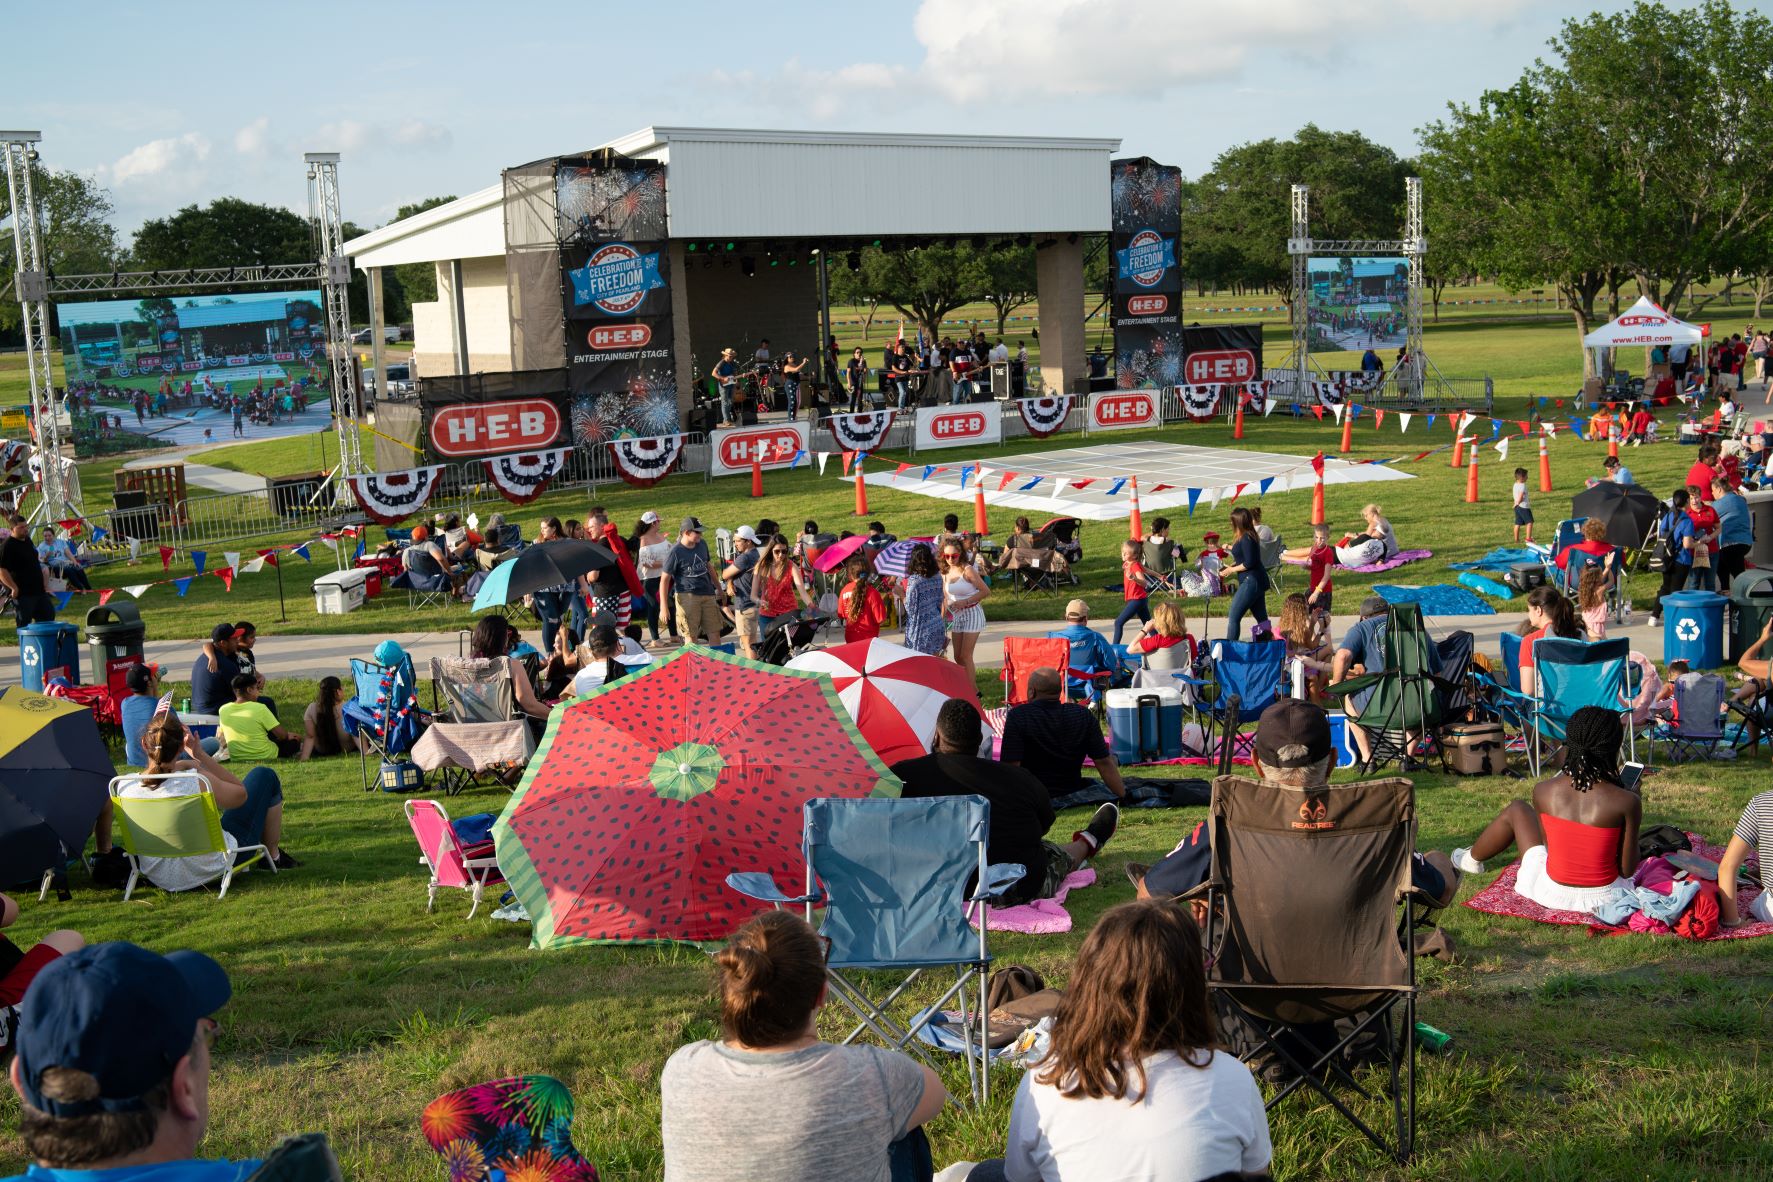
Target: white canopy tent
[[1644, 324]]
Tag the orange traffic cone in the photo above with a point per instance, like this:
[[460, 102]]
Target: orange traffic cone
[[1544, 466], [980, 525], [1237, 431], [861, 489], [1613, 442], [1471, 477], [1136, 523], [756, 478], [1317, 503], [1347, 430]]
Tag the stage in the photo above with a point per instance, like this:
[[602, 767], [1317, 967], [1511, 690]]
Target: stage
[[1215, 471]]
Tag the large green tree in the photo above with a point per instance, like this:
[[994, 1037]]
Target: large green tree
[[228, 232], [1010, 280], [1236, 218], [927, 283], [78, 238]]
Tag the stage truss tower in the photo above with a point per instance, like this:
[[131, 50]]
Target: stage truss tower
[[335, 281], [32, 282]]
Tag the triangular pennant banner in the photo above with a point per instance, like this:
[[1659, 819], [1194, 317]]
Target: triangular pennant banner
[[1193, 500], [1084, 483], [1403, 422], [1263, 486], [1502, 448], [822, 457], [226, 575], [183, 585], [1004, 481], [849, 457], [1378, 419], [1318, 413], [105, 595], [197, 559], [1030, 485], [253, 567], [1120, 482], [137, 590], [166, 553], [62, 599], [1059, 483], [302, 550]]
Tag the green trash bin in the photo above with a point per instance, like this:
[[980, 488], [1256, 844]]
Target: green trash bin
[[1751, 603]]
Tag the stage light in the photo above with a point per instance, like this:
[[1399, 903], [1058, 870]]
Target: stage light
[[876, 244], [691, 247], [794, 262], [748, 265], [732, 246], [774, 261]]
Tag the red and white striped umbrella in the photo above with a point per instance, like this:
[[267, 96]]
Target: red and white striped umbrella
[[892, 693]]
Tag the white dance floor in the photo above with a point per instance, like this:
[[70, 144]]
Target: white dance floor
[[1215, 471]]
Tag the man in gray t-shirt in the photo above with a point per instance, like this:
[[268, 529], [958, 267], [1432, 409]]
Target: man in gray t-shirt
[[686, 573], [814, 1114], [737, 577]]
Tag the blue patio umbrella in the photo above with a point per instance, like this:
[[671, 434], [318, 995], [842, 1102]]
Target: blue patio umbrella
[[543, 565]]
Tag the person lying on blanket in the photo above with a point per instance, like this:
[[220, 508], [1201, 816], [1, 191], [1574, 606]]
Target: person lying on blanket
[[1376, 544], [1293, 749], [1578, 837], [1021, 810], [1753, 833]]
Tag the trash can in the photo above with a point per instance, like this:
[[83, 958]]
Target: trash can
[[1760, 518], [114, 631], [1693, 628], [1751, 602], [46, 651]]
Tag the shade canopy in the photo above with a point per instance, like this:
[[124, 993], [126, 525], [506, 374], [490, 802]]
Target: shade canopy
[[1644, 324]]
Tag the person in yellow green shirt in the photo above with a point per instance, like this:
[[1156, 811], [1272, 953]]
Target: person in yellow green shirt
[[252, 731]]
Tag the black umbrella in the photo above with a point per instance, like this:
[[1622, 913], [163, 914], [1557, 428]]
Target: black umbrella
[[1629, 511], [54, 771], [542, 565]]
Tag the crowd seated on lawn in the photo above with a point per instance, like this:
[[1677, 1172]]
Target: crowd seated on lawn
[[1053, 738]]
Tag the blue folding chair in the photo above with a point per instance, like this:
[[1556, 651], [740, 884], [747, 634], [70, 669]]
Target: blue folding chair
[[384, 711], [893, 877], [1698, 726], [1568, 675], [1245, 677], [1580, 560]]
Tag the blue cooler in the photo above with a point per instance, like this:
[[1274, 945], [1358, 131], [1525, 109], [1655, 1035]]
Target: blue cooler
[[1144, 725], [1341, 741], [46, 651], [1693, 628]]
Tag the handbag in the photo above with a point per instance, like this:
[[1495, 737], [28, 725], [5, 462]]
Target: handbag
[[1661, 839]]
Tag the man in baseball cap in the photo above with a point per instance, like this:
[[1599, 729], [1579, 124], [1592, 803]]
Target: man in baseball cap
[[1089, 650], [736, 577], [112, 1065]]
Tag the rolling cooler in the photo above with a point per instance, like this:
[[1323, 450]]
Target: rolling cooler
[[1144, 725]]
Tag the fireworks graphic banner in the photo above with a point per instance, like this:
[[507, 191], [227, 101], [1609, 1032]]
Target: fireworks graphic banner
[[1146, 215]]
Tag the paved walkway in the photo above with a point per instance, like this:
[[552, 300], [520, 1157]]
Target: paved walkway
[[314, 657]]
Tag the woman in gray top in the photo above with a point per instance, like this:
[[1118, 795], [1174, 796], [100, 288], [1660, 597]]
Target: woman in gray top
[[770, 1102]]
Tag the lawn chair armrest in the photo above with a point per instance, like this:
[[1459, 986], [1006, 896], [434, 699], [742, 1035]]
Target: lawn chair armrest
[[756, 884], [999, 877], [1354, 685]]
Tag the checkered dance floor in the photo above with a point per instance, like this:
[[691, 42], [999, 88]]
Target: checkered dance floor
[[1216, 471]]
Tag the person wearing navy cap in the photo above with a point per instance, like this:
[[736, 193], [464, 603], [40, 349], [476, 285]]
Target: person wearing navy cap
[[112, 1067]]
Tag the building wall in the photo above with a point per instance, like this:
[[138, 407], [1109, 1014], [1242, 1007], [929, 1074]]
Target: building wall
[[488, 316], [727, 309]]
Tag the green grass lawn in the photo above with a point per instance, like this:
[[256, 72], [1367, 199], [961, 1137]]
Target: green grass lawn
[[1572, 1057]]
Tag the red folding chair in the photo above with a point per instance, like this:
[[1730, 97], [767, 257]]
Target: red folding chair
[[1022, 655]]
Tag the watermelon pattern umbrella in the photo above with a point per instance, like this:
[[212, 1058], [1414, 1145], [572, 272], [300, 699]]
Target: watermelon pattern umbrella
[[892, 693], [645, 794]]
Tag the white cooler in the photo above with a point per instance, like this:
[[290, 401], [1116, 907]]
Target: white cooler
[[1144, 725], [340, 592]]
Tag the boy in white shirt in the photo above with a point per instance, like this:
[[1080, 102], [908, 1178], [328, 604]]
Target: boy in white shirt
[[1523, 508]]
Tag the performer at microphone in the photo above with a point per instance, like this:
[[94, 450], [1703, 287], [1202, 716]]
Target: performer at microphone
[[791, 367], [726, 374]]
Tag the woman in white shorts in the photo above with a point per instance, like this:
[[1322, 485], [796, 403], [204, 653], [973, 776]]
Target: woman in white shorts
[[962, 593]]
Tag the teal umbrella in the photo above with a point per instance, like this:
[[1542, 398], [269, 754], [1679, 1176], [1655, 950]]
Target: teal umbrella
[[536, 567]]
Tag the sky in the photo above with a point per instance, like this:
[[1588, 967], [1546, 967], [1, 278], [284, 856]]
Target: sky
[[221, 99]]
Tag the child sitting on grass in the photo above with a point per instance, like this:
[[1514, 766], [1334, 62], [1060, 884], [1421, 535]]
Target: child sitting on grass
[[19, 968]]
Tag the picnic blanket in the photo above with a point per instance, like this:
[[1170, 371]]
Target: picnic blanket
[[1499, 559], [1499, 898], [476, 746], [1043, 917], [1436, 599], [1401, 558]]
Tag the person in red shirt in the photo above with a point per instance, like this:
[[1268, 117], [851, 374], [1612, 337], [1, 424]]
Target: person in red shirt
[[1594, 541], [1641, 419], [1548, 614], [1319, 563], [859, 603], [1135, 586], [1701, 474], [18, 968]]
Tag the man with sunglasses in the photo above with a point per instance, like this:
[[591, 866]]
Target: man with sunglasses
[[112, 1066]]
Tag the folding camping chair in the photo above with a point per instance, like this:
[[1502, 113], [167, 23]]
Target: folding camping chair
[[480, 733], [1273, 563], [424, 580], [1087, 681], [1064, 534], [1246, 677], [1697, 727], [1579, 561], [1756, 714], [1022, 655], [1315, 974], [1568, 675], [383, 711], [176, 827], [441, 852], [1407, 698], [893, 877]]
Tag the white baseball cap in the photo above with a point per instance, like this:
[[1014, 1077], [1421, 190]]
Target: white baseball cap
[[745, 534], [649, 517]]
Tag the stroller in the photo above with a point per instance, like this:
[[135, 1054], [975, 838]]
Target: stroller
[[791, 635], [1065, 535]]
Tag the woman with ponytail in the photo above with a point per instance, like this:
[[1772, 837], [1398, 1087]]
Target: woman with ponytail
[[1548, 614], [323, 722], [769, 1100], [1579, 837], [859, 603], [252, 807]]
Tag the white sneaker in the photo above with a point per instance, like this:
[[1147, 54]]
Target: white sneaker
[[1462, 860]]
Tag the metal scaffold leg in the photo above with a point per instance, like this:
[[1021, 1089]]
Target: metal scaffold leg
[[335, 279], [32, 284]]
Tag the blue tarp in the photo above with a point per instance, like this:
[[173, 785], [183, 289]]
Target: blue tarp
[[1499, 559], [1439, 599]]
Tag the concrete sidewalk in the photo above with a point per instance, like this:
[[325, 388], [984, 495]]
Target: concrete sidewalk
[[313, 657]]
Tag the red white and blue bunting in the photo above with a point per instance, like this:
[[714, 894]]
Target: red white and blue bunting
[[1329, 394], [389, 497], [12, 454], [1044, 416], [861, 432], [645, 462], [524, 476], [1256, 397], [1200, 402]]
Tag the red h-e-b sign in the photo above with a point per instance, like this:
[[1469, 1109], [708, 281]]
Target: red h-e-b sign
[[1122, 408], [619, 336], [490, 427], [1221, 365], [765, 446], [1147, 305], [963, 424]]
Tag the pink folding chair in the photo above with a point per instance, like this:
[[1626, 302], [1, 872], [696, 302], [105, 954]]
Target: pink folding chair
[[449, 862]]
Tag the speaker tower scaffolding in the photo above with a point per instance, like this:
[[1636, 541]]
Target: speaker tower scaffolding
[[32, 281], [335, 281]]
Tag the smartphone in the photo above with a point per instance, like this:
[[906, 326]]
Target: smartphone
[[1630, 775]]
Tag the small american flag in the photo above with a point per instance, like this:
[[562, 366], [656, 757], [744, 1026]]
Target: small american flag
[[164, 704]]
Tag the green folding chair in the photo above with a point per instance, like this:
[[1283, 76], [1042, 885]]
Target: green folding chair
[[176, 827], [1406, 698]]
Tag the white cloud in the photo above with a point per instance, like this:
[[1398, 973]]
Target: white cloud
[[157, 157], [351, 135], [255, 138]]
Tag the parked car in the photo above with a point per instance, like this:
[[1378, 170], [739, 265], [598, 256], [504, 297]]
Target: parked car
[[399, 380], [363, 336]]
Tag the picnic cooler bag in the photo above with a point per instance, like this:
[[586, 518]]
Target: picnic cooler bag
[[1145, 725], [1475, 748]]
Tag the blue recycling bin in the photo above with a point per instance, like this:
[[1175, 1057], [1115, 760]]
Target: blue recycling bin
[[46, 651], [1693, 628]]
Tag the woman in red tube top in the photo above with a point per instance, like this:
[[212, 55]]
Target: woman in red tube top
[[1579, 836]]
